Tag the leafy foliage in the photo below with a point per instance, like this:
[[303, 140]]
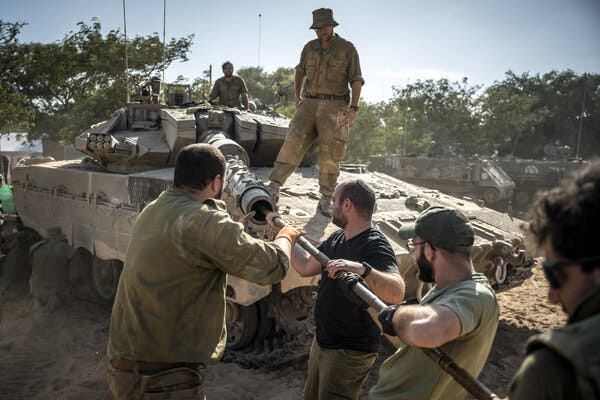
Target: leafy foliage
[[15, 112], [82, 79], [263, 86]]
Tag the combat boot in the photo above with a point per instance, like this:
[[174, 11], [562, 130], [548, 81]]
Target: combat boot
[[325, 206]]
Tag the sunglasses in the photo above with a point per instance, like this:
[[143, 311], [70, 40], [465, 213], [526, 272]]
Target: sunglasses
[[554, 272], [411, 245]]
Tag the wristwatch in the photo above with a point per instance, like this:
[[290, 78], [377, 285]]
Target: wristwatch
[[355, 108], [368, 270]]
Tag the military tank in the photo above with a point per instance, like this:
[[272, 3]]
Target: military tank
[[473, 177], [532, 176], [130, 157]]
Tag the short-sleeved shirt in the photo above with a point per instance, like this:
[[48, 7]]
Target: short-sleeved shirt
[[341, 324], [410, 374], [170, 302], [329, 71], [229, 91]]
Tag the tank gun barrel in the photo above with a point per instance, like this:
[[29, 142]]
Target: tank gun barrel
[[246, 192]]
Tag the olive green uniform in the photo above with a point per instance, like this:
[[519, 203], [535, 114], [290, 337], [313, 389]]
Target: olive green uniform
[[565, 362], [410, 374], [229, 91], [322, 115], [170, 302]]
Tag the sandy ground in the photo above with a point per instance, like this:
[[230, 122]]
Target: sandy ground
[[62, 355]]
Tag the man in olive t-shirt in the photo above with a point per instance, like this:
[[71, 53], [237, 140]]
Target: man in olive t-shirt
[[459, 315], [229, 88]]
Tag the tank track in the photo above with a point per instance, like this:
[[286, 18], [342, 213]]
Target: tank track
[[276, 351]]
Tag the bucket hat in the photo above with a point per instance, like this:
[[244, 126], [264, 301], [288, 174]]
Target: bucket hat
[[323, 17]]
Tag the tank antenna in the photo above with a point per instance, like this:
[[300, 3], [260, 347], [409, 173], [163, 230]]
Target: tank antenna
[[164, 36], [581, 121], [259, 20], [126, 55]]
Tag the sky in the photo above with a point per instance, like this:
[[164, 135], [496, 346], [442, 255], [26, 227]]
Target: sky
[[398, 41]]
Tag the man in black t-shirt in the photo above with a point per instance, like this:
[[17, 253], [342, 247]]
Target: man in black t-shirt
[[346, 342]]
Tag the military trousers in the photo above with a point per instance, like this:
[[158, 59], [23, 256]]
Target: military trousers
[[138, 380], [323, 121], [336, 373]]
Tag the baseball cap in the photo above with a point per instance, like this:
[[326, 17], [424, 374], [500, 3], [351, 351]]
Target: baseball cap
[[442, 227]]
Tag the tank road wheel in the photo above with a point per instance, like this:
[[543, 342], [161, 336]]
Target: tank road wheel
[[80, 273], [105, 277], [242, 322], [490, 196], [523, 198]]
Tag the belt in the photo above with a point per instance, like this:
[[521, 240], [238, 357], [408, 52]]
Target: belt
[[124, 364], [327, 97]]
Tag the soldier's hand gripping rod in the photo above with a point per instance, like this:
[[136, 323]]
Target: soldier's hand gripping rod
[[473, 386]]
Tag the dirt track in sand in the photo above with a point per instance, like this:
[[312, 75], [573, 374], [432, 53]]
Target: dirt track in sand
[[62, 355]]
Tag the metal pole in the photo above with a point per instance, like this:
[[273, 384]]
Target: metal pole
[[164, 37], [474, 387], [581, 121], [126, 55], [259, 37]]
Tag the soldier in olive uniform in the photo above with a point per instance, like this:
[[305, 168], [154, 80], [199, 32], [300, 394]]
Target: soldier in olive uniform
[[325, 107], [229, 88], [168, 318], [565, 362]]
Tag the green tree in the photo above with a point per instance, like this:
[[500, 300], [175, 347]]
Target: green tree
[[264, 86], [510, 117], [16, 115], [81, 80], [367, 134], [435, 115], [532, 111]]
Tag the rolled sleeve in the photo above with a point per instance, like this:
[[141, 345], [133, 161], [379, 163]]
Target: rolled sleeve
[[354, 71]]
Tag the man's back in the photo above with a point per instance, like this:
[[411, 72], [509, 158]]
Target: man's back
[[175, 275]]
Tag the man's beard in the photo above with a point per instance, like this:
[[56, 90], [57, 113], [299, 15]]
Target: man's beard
[[339, 220], [425, 269]]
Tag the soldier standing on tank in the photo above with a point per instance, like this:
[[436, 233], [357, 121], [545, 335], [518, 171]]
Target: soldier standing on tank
[[565, 362], [229, 88], [346, 341], [324, 107], [168, 317], [459, 314]]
